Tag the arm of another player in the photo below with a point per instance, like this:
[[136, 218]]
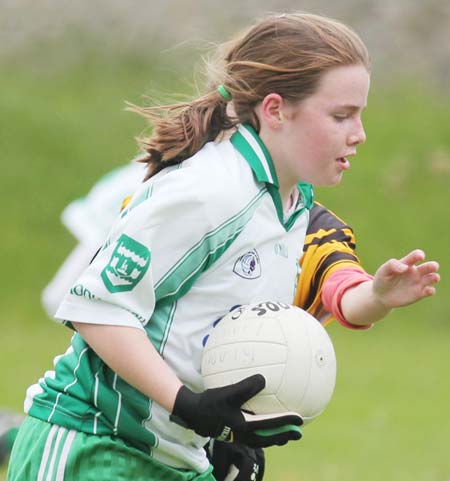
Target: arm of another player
[[397, 283]]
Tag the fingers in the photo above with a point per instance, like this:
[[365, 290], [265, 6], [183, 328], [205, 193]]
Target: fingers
[[428, 268], [399, 266], [413, 257], [429, 291], [428, 277], [428, 281], [244, 390], [265, 440], [272, 421], [394, 266], [236, 462], [272, 429]]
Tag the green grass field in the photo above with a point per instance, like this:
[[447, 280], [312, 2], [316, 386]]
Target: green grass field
[[388, 420]]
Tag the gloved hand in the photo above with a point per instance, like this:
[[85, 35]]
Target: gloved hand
[[235, 462], [217, 413]]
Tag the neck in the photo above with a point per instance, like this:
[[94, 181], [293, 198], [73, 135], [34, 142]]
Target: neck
[[289, 197], [285, 181]]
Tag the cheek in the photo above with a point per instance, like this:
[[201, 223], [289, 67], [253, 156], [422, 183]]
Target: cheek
[[331, 139], [317, 138], [317, 142], [319, 131]]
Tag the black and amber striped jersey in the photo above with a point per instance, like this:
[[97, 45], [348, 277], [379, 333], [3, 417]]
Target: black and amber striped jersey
[[329, 245]]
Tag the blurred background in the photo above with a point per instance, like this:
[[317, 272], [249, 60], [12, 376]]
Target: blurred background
[[66, 70]]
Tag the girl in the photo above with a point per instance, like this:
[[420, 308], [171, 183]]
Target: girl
[[217, 223]]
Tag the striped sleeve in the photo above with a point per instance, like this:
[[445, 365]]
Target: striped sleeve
[[329, 245]]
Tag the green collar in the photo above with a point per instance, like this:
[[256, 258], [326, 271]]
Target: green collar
[[248, 143]]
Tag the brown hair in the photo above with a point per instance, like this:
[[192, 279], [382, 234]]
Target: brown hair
[[285, 54]]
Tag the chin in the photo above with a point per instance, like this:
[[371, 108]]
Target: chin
[[336, 182], [336, 179], [328, 182]]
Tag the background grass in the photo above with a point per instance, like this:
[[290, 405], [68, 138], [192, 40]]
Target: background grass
[[63, 128]]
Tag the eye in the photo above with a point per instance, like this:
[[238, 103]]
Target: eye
[[340, 117]]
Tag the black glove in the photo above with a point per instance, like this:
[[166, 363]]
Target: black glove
[[235, 462], [217, 413]]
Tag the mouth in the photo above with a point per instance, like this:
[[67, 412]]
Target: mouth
[[343, 162]]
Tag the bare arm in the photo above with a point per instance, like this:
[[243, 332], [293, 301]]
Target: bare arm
[[396, 283], [129, 353]]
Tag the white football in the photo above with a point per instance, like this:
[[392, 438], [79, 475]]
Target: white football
[[285, 344]]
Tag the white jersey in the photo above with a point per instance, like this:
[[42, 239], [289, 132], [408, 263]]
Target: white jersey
[[196, 240]]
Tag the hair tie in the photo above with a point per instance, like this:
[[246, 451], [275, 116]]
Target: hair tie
[[224, 93]]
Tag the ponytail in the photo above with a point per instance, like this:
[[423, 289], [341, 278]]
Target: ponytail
[[181, 130]]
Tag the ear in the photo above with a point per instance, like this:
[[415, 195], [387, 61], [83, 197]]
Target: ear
[[271, 110]]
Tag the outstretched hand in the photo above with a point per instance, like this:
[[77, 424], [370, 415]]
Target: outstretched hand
[[399, 282]]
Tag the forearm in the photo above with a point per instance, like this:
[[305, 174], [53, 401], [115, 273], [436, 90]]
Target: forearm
[[360, 306], [129, 353], [211, 413]]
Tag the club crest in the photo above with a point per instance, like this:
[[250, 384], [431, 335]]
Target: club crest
[[128, 264], [248, 265]]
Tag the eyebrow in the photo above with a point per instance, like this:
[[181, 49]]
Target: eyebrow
[[350, 107]]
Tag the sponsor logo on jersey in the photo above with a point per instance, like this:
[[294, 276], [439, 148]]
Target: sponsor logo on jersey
[[248, 265], [128, 264], [81, 291]]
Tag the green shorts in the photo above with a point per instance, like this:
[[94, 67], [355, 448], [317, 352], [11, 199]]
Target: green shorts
[[47, 452]]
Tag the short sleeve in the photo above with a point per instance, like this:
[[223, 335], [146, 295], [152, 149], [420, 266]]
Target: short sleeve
[[329, 245], [159, 246]]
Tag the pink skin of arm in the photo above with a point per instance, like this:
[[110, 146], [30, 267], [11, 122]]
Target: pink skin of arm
[[397, 283], [129, 353]]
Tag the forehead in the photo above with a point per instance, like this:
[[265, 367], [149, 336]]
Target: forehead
[[344, 85]]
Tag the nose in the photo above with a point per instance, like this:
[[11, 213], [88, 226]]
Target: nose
[[358, 134]]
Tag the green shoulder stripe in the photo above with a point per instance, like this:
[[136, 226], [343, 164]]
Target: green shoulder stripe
[[199, 258], [179, 279]]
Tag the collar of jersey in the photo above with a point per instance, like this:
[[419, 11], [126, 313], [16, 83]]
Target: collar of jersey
[[251, 147], [248, 143]]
